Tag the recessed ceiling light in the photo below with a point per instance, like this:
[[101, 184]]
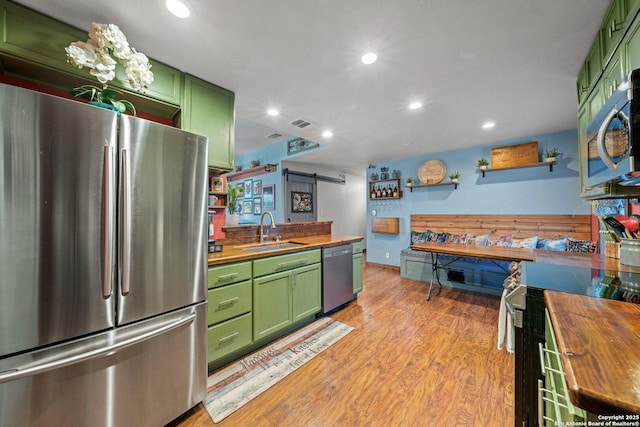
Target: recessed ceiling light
[[327, 134], [415, 105], [178, 8], [369, 58], [488, 125], [273, 112]]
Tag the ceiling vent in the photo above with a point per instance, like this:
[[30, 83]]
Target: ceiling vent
[[300, 123], [274, 135]]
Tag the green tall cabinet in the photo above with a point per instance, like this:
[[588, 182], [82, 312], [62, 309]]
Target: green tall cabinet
[[209, 110]]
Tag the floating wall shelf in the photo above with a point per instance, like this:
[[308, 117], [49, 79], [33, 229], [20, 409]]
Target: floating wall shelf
[[412, 186], [254, 171], [530, 165]]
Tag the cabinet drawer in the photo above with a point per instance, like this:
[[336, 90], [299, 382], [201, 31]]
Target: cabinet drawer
[[357, 247], [229, 336], [285, 262], [228, 301], [229, 273]]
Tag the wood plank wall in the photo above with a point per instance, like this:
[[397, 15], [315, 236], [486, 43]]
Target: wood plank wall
[[518, 226]]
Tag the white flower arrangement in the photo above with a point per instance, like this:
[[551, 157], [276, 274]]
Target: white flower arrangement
[[105, 43]]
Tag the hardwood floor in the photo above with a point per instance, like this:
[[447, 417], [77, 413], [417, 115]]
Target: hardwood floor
[[409, 362]]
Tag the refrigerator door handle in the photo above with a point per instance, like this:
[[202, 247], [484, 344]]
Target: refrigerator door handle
[[126, 224], [108, 202], [18, 373]]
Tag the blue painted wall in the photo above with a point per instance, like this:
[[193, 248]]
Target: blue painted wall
[[273, 153], [532, 190]]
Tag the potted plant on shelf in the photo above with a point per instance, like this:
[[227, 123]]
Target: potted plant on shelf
[[234, 216], [550, 155], [483, 163], [454, 177], [409, 182]]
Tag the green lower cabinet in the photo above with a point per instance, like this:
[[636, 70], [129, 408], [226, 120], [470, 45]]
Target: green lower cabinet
[[281, 299], [357, 266], [271, 304], [228, 301], [229, 336], [306, 292], [229, 305], [357, 273]]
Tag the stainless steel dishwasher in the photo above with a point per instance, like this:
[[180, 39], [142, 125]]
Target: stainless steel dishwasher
[[337, 276]]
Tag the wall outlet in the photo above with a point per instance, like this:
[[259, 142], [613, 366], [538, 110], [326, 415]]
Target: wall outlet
[[386, 254]]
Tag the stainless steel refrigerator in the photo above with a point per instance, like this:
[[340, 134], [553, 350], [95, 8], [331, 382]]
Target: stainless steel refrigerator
[[102, 265]]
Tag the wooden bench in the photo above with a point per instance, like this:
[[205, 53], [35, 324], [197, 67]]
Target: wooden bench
[[475, 267]]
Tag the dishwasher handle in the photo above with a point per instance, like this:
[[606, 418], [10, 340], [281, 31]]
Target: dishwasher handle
[[332, 254]]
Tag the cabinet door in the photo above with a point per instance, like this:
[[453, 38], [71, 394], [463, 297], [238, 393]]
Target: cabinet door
[[357, 273], [228, 301], [226, 274], [631, 46], [38, 38], [592, 67], [611, 29], [306, 290], [271, 304], [166, 86], [613, 75], [209, 110], [229, 336]]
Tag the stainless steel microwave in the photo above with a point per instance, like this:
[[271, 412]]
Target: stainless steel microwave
[[612, 163]]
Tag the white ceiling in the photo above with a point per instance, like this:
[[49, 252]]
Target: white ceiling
[[513, 62]]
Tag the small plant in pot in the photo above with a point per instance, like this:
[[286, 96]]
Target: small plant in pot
[[234, 216], [454, 177], [483, 163], [409, 182], [551, 154]]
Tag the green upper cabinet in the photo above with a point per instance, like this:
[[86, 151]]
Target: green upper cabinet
[[30, 35], [166, 86], [612, 28], [631, 46], [209, 110], [32, 47], [632, 8]]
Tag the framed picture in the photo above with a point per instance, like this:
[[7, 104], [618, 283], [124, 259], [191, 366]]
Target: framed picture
[[216, 185], [257, 205], [239, 190], [301, 202], [247, 206], [248, 189], [269, 197], [257, 187]]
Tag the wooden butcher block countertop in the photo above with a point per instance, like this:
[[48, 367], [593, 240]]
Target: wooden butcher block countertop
[[599, 343], [241, 253]]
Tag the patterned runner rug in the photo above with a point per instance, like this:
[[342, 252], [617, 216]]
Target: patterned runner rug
[[235, 385]]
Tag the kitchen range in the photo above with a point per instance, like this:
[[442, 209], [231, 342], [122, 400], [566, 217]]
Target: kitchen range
[[102, 265], [534, 403]]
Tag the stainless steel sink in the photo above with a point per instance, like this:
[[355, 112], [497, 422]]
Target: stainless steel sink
[[271, 246]]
